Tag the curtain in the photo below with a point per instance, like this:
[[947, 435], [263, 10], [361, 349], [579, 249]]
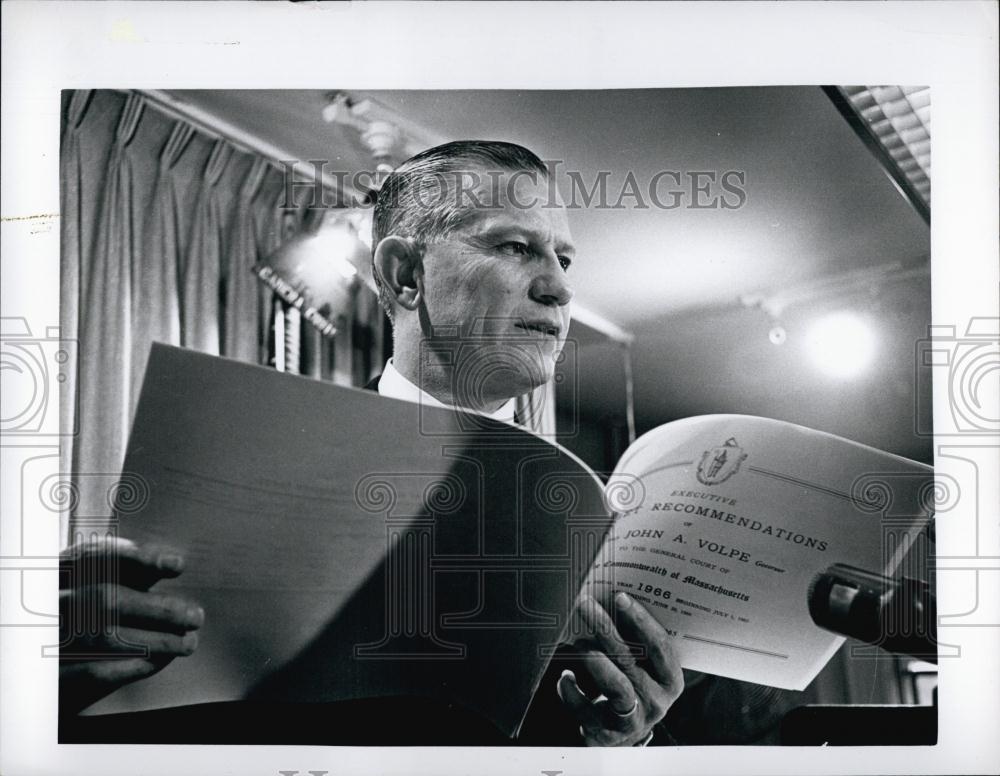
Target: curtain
[[157, 267], [200, 297], [104, 350], [161, 227], [69, 286], [242, 319]]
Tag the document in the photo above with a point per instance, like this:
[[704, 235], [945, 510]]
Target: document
[[726, 519]]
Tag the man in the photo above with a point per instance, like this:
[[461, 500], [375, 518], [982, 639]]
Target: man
[[471, 244]]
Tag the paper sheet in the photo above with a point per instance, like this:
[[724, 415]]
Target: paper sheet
[[345, 545]]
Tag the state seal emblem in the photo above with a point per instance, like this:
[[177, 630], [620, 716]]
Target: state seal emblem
[[720, 463]]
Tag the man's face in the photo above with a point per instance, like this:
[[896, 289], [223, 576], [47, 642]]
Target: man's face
[[498, 285]]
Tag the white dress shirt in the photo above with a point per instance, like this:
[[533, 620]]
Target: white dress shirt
[[395, 386]]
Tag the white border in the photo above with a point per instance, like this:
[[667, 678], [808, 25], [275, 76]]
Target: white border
[[950, 45]]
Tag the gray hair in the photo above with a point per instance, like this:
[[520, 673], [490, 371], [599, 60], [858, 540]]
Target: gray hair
[[419, 199]]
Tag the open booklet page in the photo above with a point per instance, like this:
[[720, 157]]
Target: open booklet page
[[726, 519], [345, 545]]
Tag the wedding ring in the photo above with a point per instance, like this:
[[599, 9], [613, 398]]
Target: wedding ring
[[627, 714]]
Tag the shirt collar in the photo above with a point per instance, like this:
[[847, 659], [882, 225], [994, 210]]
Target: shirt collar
[[393, 385]]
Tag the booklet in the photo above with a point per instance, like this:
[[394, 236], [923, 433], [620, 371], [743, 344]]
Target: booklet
[[723, 522], [346, 545]]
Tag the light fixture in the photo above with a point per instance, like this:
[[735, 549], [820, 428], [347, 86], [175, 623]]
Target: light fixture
[[389, 135], [378, 128], [841, 344], [780, 305]]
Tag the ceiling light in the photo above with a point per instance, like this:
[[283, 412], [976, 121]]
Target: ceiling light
[[840, 345]]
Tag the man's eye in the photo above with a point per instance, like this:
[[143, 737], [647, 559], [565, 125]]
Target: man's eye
[[514, 248]]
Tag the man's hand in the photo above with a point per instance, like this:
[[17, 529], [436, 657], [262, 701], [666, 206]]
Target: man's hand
[[627, 695], [112, 630]]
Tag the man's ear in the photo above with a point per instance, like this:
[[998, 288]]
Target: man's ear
[[398, 262]]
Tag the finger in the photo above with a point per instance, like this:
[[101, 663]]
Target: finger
[[158, 611], [584, 680], [574, 655], [115, 559], [151, 643], [587, 713], [601, 629], [128, 642], [114, 672], [614, 685], [637, 624], [159, 643], [579, 704], [92, 607], [654, 697]]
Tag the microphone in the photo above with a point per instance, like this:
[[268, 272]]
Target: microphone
[[898, 615]]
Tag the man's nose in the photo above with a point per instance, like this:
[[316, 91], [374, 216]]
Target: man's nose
[[551, 286]]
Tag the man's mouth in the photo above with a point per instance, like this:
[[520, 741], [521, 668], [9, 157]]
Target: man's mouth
[[542, 327]]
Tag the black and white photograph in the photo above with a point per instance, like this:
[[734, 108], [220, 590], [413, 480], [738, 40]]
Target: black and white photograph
[[369, 415]]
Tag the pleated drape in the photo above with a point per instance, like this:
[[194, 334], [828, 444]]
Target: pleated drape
[[157, 268], [69, 273], [242, 317], [202, 268], [105, 324]]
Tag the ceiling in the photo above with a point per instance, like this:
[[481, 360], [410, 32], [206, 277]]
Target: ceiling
[[817, 209]]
